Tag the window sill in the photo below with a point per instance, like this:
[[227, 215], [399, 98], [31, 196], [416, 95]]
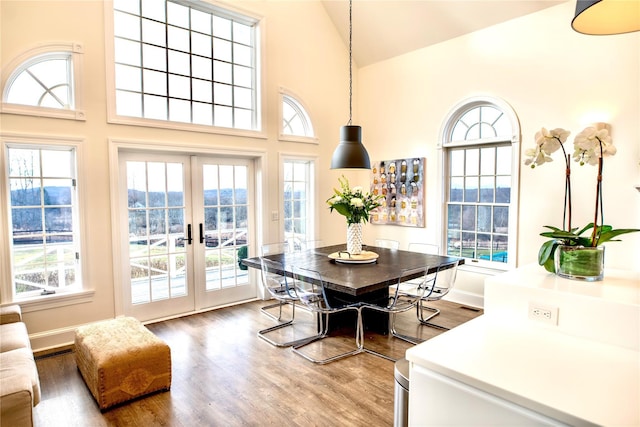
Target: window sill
[[28, 110], [486, 270], [45, 302]]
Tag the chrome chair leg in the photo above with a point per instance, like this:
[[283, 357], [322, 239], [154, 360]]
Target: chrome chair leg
[[278, 304], [425, 320], [324, 333]]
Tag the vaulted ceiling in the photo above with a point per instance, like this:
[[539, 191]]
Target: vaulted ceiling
[[383, 29]]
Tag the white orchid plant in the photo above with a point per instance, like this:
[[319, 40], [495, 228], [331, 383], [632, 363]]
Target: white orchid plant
[[591, 146], [353, 203]]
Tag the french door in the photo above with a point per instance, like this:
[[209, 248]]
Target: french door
[[186, 221]]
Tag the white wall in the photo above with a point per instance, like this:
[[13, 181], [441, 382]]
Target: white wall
[[552, 77]]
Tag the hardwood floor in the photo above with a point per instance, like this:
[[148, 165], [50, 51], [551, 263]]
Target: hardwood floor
[[224, 375]]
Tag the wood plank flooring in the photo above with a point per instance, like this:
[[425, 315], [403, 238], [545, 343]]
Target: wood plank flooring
[[224, 375]]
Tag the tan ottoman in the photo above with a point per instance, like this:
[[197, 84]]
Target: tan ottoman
[[120, 360]]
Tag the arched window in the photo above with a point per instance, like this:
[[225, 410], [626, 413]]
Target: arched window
[[296, 123], [43, 82], [480, 142]]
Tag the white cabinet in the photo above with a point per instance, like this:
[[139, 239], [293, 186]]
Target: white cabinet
[[503, 368]]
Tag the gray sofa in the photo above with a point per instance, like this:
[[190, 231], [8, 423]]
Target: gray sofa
[[19, 382]]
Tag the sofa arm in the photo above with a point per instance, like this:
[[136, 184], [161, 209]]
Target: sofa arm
[[10, 314], [16, 400]]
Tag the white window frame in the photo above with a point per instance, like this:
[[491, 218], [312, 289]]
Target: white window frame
[[80, 294], [285, 94], [260, 82], [24, 60], [450, 121], [312, 191]]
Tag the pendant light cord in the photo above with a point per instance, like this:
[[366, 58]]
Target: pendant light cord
[[350, 60]]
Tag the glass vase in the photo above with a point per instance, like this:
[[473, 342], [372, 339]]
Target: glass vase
[[580, 263], [354, 238]]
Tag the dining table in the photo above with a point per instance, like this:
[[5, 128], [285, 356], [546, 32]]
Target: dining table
[[364, 279]]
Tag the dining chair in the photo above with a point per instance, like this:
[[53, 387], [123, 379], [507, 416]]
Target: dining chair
[[282, 288], [403, 296], [387, 243], [315, 299], [273, 249], [443, 283]]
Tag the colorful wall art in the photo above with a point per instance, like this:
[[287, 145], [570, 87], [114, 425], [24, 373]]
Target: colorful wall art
[[401, 182]]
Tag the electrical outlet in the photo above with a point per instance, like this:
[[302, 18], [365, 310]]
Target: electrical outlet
[[274, 216], [543, 314]]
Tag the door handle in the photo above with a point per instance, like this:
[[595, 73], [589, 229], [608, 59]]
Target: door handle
[[201, 234], [189, 239]]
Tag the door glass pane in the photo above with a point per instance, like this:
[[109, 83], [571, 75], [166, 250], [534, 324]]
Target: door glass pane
[[225, 224], [156, 231]]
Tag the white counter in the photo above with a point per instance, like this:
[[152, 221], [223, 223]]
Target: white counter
[[504, 368]]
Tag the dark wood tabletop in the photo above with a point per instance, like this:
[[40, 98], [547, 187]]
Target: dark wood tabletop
[[357, 279]]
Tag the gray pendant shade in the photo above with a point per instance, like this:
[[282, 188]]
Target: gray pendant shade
[[350, 153], [605, 17]]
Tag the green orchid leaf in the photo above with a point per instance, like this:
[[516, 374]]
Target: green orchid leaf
[[546, 251], [546, 254], [609, 234]]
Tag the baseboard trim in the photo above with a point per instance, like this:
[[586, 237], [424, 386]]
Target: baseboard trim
[[466, 298]]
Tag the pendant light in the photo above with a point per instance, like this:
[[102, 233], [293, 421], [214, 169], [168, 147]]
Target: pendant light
[[606, 17], [350, 153]]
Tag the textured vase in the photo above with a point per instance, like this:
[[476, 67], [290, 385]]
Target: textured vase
[[580, 263], [354, 238]]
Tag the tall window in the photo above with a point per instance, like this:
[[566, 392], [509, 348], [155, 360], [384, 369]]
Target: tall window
[[185, 62], [44, 81], [481, 185], [298, 200], [43, 207]]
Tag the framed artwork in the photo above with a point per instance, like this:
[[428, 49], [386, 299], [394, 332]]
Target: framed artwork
[[401, 182]]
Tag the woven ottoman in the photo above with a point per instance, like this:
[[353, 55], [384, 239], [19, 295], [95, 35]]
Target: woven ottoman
[[121, 360]]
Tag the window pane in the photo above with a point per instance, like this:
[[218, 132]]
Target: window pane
[[201, 44], [488, 161], [456, 189], [472, 159], [155, 107], [503, 189], [457, 163], [179, 63], [154, 33], [486, 189], [454, 217], [222, 49], [128, 78], [504, 160], [154, 82], [484, 219], [222, 94], [129, 104], [468, 218], [25, 191], [179, 87], [471, 189], [501, 219], [177, 14], [57, 191], [126, 25], [154, 57], [202, 90], [200, 21]]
